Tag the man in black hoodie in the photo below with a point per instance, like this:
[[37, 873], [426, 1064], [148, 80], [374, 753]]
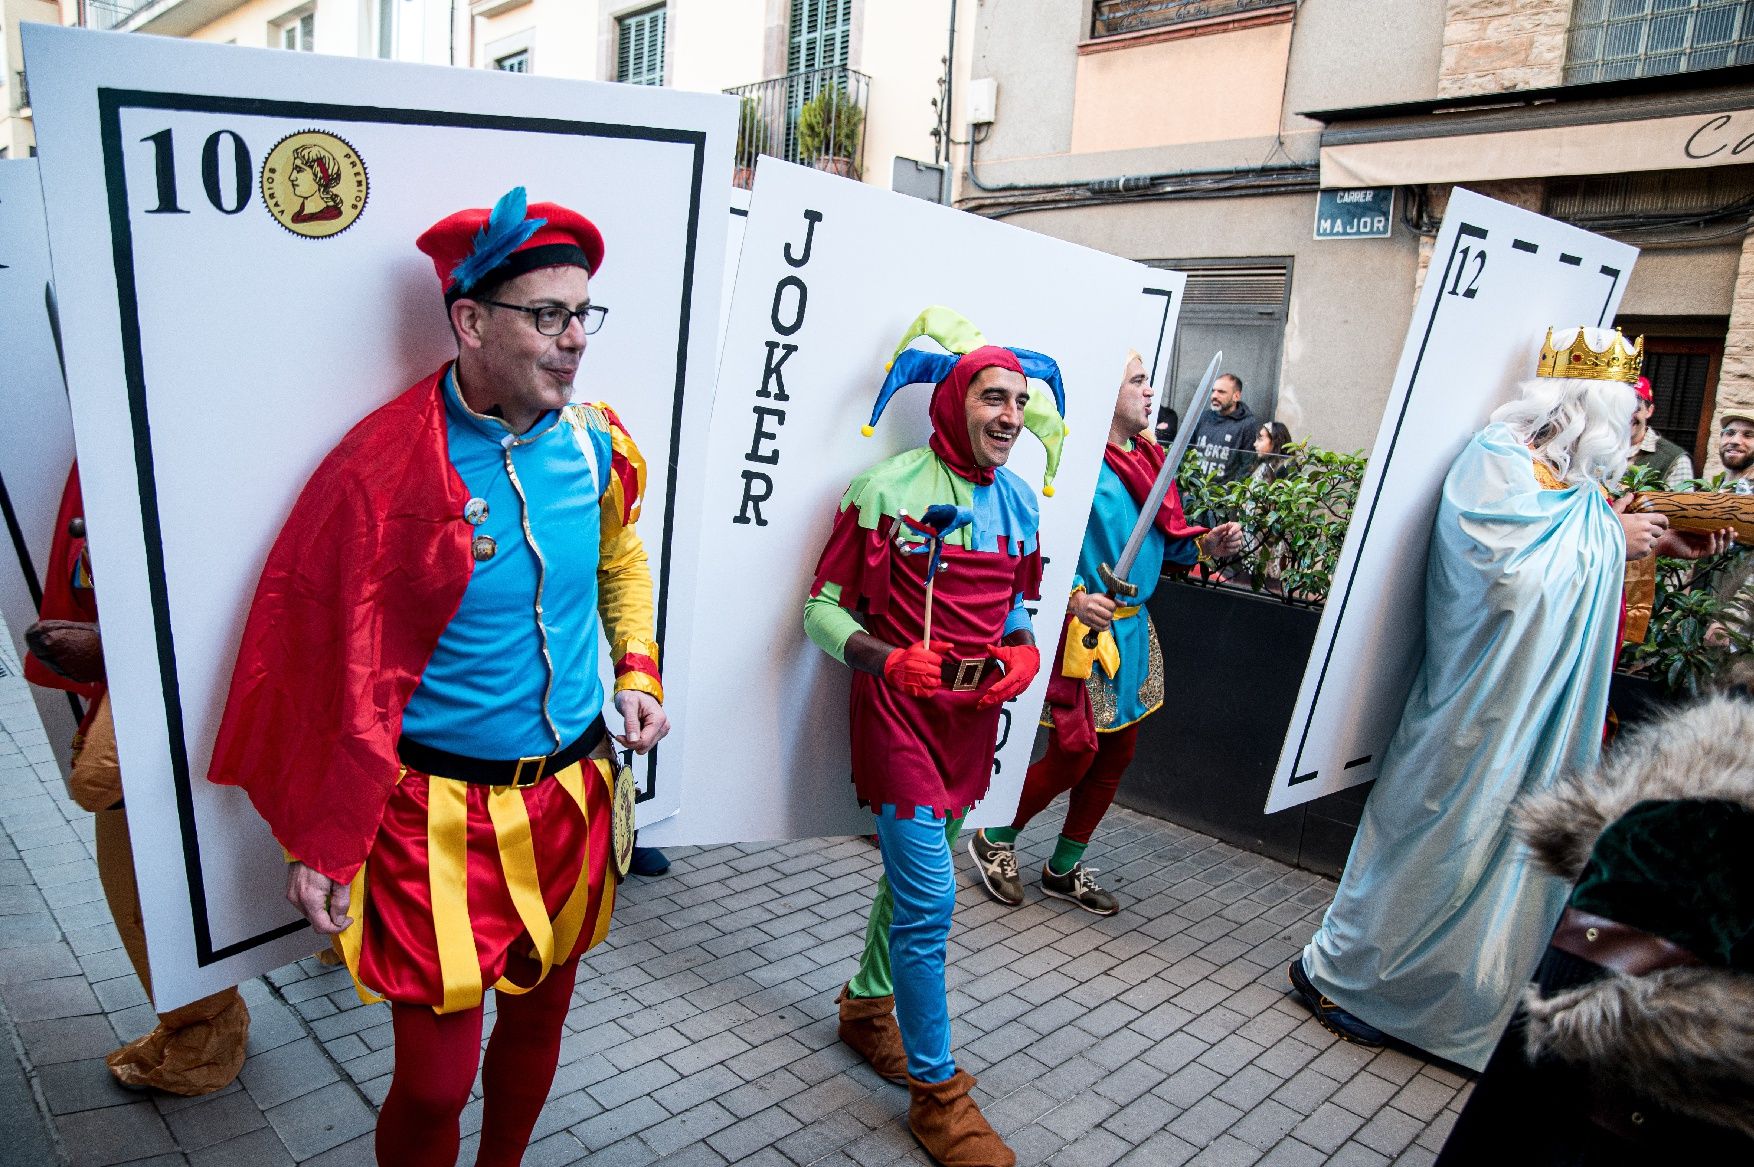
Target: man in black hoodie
[[1224, 435]]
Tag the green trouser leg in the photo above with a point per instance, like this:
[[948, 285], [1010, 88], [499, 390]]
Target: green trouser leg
[[873, 978]]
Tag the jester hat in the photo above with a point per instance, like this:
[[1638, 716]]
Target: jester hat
[[474, 250], [966, 354]]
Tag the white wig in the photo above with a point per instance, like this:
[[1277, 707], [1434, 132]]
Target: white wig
[[1583, 429]]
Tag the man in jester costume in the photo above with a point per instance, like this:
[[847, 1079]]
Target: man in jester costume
[[920, 589], [1101, 692], [416, 709]]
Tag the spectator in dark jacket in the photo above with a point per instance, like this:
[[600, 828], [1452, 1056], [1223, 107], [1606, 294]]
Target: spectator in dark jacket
[[1224, 435]]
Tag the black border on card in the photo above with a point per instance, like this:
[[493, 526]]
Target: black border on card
[[111, 103], [1465, 231]]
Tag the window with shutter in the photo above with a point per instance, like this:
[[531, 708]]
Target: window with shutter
[[639, 50], [821, 34], [1239, 306]]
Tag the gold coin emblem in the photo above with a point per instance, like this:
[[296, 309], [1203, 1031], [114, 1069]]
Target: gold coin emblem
[[314, 184]]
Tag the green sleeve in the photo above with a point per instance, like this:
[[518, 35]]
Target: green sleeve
[[828, 624]]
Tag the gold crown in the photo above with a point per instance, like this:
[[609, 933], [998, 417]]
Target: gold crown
[[1618, 362]]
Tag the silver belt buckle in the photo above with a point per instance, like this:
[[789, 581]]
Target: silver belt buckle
[[968, 674]]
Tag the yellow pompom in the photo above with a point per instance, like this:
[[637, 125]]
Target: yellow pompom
[[888, 365], [1048, 490], [866, 430]]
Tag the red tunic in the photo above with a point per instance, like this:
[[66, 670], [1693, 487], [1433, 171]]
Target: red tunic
[[934, 752]]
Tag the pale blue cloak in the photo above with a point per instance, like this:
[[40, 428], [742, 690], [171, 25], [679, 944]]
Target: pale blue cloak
[[1441, 916]]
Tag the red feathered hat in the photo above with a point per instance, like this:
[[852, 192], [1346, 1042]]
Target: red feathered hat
[[1642, 388], [478, 246]]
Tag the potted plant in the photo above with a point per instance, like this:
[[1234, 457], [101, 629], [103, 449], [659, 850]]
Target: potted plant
[[830, 129], [753, 140], [1241, 638]]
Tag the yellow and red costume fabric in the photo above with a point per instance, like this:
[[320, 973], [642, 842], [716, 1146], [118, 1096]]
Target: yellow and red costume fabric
[[368, 571]]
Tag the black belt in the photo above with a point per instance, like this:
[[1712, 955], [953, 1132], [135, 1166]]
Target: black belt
[[962, 674], [485, 772]]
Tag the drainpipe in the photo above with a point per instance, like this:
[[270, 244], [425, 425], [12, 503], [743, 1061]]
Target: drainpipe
[[944, 189]]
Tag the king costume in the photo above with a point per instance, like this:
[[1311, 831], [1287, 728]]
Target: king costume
[[416, 706], [924, 731], [1441, 914]]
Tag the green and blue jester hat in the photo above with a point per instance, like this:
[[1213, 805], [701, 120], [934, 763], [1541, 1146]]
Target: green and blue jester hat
[[965, 353]]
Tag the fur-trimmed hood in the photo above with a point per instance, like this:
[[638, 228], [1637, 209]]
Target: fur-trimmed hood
[[1681, 1037]]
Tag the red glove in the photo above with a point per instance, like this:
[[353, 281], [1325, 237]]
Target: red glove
[[917, 670], [1022, 662]]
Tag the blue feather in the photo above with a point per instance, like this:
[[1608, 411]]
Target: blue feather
[[507, 230]]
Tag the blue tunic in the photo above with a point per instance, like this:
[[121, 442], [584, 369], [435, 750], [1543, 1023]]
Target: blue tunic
[[515, 674], [1135, 692]]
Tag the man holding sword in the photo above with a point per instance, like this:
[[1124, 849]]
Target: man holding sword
[[1109, 672]]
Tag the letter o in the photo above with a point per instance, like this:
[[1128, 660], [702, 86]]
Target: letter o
[[779, 295]]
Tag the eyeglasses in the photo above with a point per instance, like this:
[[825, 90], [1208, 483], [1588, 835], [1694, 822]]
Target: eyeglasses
[[552, 320]]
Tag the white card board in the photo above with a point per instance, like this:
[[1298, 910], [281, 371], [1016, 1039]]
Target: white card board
[[36, 444], [838, 270], [216, 355], [1499, 276]]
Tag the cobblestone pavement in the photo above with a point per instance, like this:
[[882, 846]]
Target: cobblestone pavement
[[703, 1030]]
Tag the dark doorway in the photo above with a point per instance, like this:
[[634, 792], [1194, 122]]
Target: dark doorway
[[1682, 358]]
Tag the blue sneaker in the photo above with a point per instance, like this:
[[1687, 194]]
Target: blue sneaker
[[1333, 1018], [648, 861]]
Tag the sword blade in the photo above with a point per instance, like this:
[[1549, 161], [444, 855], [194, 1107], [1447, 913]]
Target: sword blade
[[1167, 472]]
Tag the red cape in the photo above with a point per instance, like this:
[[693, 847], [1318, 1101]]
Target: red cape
[[365, 575], [1137, 469]]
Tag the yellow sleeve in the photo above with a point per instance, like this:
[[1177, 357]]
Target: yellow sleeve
[[624, 577]]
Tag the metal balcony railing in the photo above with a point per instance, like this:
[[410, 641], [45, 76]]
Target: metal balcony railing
[[816, 117], [108, 14]]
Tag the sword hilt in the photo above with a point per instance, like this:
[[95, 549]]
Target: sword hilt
[[1117, 588]]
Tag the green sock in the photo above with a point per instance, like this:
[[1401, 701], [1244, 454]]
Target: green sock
[[1067, 853], [1002, 835]]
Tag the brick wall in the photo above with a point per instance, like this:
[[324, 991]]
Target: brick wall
[[1490, 46]]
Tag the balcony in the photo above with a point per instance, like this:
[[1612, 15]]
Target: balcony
[[816, 118], [164, 17]]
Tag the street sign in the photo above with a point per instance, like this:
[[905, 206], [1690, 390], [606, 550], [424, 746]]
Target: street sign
[[1366, 213]]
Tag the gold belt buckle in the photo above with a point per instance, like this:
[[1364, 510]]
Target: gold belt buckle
[[535, 765], [968, 674]]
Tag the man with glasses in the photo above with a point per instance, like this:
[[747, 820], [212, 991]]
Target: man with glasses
[[416, 709]]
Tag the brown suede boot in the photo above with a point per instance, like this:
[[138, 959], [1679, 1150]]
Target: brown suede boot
[[868, 1025], [951, 1127]]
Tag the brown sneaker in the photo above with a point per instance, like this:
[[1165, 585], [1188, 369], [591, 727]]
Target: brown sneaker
[[951, 1127], [868, 1025]]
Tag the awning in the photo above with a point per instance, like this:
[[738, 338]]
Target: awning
[[1667, 122], [1675, 143]]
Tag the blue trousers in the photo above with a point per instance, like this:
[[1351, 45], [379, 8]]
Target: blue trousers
[[908, 933]]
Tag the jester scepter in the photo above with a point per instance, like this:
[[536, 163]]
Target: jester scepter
[[921, 589]]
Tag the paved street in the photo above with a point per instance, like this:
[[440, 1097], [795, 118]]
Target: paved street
[[703, 1031]]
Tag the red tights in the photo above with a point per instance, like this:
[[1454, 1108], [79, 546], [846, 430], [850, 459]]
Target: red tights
[[436, 1056], [1092, 779]]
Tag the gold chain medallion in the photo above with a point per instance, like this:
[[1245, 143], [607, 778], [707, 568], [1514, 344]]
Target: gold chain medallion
[[622, 824], [314, 184]]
